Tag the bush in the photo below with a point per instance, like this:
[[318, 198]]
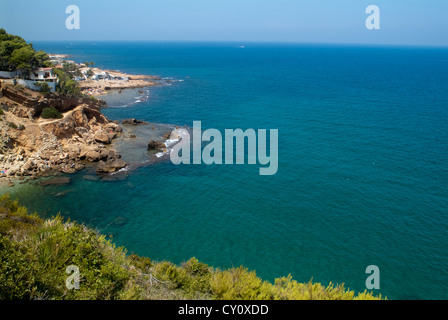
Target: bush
[[51, 113], [44, 88], [66, 85], [240, 284], [19, 87], [12, 125], [34, 255]]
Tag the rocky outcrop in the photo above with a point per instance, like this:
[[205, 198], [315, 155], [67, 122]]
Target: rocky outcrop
[[156, 145], [29, 104], [110, 166], [32, 146], [134, 122]]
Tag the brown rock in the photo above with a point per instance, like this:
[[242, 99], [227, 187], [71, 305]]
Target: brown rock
[[166, 136], [110, 166], [79, 166], [156, 145], [112, 127], [102, 136], [133, 122]]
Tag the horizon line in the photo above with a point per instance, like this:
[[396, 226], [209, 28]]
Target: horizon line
[[257, 42]]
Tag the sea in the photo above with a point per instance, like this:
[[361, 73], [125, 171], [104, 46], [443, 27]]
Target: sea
[[362, 174]]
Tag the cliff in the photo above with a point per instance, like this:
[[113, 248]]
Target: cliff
[[31, 145]]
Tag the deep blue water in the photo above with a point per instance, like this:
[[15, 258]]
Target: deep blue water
[[363, 163]]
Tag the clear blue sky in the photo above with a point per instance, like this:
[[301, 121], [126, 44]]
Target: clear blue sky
[[412, 22]]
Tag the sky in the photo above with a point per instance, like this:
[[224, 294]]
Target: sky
[[402, 22]]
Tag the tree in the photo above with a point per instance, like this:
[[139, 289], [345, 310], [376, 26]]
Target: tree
[[22, 59], [66, 85], [6, 49], [42, 59], [89, 73], [16, 53]]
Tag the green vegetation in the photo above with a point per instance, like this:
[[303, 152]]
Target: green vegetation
[[89, 73], [66, 85], [12, 125], [35, 253], [44, 88], [50, 113], [17, 54], [71, 68], [19, 87]]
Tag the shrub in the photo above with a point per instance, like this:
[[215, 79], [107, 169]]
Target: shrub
[[66, 85], [12, 125], [239, 284], [141, 263], [51, 113], [19, 87], [44, 88]]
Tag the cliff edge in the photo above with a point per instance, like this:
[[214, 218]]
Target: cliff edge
[[76, 133]]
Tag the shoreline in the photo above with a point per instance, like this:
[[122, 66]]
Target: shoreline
[[35, 148], [102, 87]]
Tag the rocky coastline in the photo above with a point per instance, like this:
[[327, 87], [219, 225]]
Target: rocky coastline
[[31, 146]]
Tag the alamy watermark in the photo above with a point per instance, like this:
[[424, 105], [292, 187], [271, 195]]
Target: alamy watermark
[[235, 140], [373, 280], [373, 20], [73, 20], [72, 281]]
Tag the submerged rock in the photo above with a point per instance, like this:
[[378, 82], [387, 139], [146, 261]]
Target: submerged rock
[[133, 122], [90, 177], [55, 181], [120, 221]]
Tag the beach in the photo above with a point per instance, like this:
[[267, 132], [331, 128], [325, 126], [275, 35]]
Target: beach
[[118, 81]]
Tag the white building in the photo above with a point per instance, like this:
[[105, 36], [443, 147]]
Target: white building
[[45, 74], [38, 76], [101, 76]]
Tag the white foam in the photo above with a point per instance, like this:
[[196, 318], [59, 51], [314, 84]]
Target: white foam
[[121, 170]]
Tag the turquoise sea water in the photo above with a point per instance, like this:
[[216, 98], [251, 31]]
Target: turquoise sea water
[[363, 162]]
